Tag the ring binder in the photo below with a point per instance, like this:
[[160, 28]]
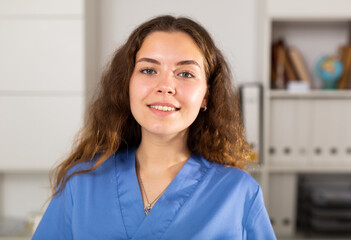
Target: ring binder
[[251, 100]]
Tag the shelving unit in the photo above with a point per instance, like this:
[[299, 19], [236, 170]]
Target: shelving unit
[[306, 132]]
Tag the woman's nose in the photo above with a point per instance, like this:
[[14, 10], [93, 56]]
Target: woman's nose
[[166, 90], [166, 85]]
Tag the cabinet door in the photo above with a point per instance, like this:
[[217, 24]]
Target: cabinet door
[[35, 132]]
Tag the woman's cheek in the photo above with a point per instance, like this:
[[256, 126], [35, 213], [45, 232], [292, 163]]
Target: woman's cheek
[[142, 87], [193, 94]]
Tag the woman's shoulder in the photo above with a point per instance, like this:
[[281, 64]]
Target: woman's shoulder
[[107, 165], [229, 175], [235, 174]]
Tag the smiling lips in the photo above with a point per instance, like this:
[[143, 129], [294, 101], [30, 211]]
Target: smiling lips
[[164, 108]]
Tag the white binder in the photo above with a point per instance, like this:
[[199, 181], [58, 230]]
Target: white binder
[[345, 138], [302, 144], [327, 131], [282, 207], [251, 95], [290, 127], [283, 132]]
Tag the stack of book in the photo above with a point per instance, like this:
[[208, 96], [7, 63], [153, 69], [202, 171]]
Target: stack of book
[[345, 57], [289, 67]]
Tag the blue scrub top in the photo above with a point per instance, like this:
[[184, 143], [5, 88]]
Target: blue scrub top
[[205, 200]]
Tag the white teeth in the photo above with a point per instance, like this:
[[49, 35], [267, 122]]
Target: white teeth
[[163, 108]]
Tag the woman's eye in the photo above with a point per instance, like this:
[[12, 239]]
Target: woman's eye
[[186, 75], [148, 71]]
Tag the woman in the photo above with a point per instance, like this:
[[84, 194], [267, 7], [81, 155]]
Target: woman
[[159, 156]]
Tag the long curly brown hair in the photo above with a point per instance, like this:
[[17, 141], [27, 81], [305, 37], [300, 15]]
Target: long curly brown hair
[[217, 134]]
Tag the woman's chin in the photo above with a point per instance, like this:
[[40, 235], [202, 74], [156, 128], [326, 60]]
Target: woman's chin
[[163, 132]]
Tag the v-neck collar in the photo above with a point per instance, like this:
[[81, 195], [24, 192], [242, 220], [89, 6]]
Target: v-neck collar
[[136, 223]]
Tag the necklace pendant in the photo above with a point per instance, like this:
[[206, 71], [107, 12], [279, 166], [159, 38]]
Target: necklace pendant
[[147, 209]]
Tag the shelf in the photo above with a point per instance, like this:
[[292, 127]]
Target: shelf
[[308, 9], [310, 169], [307, 18], [255, 168], [311, 94], [303, 131]]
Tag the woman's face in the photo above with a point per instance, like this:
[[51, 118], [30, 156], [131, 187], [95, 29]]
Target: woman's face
[[168, 84]]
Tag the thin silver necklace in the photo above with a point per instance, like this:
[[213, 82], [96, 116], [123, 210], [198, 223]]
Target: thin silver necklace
[[149, 205]]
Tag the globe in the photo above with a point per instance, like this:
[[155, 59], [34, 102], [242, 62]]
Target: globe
[[329, 70]]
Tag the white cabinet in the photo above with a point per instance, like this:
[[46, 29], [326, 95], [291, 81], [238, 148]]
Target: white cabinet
[[307, 132]]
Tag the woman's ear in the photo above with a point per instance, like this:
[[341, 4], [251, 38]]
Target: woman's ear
[[205, 100]]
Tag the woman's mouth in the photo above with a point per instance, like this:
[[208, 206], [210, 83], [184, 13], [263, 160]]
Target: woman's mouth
[[164, 108]]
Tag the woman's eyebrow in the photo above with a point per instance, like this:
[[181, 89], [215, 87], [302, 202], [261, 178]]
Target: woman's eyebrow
[[187, 62], [150, 60], [184, 62]]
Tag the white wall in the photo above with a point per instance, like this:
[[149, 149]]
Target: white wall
[[232, 24], [42, 93]]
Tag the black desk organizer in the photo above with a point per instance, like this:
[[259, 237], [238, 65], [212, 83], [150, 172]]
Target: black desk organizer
[[324, 205]]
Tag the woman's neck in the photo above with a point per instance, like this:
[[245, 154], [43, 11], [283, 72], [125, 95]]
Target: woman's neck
[[157, 154]]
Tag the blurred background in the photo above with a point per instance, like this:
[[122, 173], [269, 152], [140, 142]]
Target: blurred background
[[290, 59]]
